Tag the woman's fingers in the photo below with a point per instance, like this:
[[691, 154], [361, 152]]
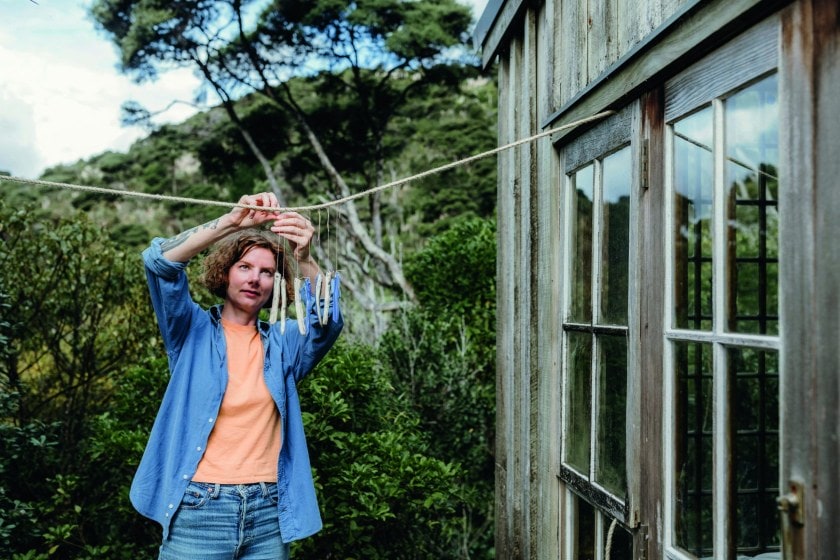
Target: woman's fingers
[[252, 216], [297, 230]]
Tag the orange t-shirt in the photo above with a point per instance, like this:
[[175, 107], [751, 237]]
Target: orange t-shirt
[[245, 442]]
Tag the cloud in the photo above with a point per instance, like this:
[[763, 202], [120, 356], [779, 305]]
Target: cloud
[[18, 151], [60, 94]]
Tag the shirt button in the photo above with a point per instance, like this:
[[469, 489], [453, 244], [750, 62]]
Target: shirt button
[[171, 506], [198, 449], [186, 477], [210, 420], [167, 514]]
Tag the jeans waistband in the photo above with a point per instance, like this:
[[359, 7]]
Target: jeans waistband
[[249, 489]]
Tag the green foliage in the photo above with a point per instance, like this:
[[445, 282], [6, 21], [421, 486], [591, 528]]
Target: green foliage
[[443, 361], [382, 494], [66, 339]]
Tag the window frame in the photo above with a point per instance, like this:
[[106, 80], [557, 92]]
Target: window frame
[[601, 141], [749, 58]]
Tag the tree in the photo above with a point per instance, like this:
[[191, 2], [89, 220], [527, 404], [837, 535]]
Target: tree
[[383, 492], [72, 325], [442, 355], [369, 57]]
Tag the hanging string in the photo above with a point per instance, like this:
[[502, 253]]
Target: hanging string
[[608, 549], [392, 184]]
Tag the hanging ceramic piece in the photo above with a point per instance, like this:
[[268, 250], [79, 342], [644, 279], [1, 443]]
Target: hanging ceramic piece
[[325, 316], [283, 303], [299, 308], [275, 299]]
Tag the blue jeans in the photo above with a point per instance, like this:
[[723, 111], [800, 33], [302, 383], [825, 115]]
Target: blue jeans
[[226, 522]]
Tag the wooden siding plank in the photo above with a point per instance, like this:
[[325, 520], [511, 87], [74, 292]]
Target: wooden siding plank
[[501, 31], [524, 274], [596, 32], [545, 496], [505, 305], [810, 270], [571, 23]]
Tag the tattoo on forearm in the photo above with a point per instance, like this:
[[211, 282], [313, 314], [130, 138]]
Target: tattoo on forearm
[[173, 242]]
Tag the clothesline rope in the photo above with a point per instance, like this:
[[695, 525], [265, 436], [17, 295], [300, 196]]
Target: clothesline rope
[[312, 207]]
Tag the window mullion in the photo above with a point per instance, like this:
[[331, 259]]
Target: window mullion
[[566, 220], [668, 384], [597, 224], [721, 446], [599, 536]]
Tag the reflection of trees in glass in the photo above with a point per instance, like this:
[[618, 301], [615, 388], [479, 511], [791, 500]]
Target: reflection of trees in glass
[[693, 530], [581, 302], [754, 399], [612, 399], [693, 185], [753, 226], [615, 267], [579, 390]]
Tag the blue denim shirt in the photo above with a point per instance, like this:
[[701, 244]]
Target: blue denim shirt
[[195, 346]]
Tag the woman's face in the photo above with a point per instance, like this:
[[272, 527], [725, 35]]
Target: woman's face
[[250, 281]]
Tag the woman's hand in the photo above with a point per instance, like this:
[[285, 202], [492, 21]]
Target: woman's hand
[[297, 230], [249, 217]]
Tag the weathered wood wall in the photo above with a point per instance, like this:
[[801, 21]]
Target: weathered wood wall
[[558, 49], [559, 60], [810, 271], [556, 61]]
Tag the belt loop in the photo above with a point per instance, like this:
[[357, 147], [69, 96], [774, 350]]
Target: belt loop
[[264, 489], [214, 491]]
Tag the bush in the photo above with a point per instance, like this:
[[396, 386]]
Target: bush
[[382, 494]]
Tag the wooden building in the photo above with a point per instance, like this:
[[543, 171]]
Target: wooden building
[[668, 278]]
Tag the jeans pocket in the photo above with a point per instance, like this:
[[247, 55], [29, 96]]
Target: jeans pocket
[[196, 495]]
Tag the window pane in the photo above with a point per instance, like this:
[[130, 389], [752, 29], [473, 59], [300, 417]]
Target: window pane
[[755, 418], [579, 403], [612, 420], [581, 308], [693, 500], [752, 150], [584, 531], [693, 174], [615, 207]]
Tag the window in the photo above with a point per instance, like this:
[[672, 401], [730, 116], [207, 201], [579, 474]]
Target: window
[[722, 348], [597, 213]]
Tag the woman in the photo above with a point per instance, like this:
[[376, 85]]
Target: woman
[[226, 470]]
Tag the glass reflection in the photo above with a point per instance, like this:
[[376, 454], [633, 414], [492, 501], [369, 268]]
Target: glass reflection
[[579, 401], [615, 210], [693, 187], [752, 152], [584, 185], [612, 398], [693, 500]]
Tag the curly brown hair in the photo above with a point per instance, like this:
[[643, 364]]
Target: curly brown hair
[[230, 250]]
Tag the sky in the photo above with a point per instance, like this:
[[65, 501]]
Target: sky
[[61, 91]]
